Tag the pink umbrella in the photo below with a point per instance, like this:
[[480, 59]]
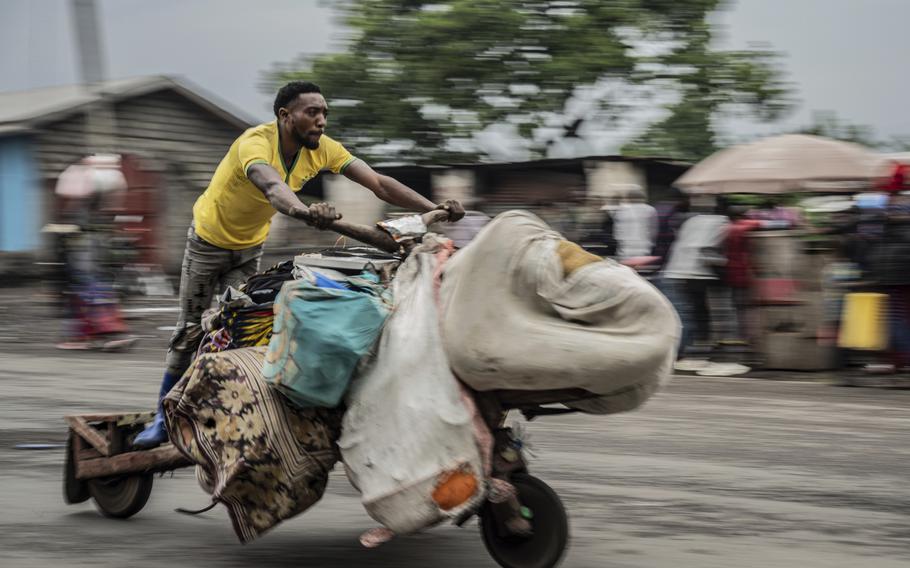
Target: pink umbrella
[[97, 173], [784, 164]]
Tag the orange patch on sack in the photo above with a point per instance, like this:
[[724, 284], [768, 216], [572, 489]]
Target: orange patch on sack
[[574, 257], [454, 488]]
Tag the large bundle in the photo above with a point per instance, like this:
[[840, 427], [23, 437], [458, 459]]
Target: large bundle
[[262, 457], [322, 330], [408, 440], [244, 317], [525, 309]]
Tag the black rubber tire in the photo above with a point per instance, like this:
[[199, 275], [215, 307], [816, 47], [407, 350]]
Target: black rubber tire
[[545, 548], [74, 490], [121, 497]]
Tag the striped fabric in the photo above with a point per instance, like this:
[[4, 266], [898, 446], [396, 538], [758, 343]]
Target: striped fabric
[[260, 456], [249, 327]]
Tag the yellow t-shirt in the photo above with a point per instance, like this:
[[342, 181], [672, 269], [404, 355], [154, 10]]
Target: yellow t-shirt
[[233, 213]]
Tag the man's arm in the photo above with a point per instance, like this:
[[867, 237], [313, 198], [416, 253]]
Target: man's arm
[[284, 201], [393, 191]]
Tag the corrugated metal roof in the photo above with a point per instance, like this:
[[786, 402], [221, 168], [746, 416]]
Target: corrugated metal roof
[[21, 111]]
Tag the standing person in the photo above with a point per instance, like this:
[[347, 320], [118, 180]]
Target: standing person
[[869, 227], [738, 271], [258, 177], [839, 276], [889, 262], [693, 266], [635, 226], [670, 217], [92, 307]]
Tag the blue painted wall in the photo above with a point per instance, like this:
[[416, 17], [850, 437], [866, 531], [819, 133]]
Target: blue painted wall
[[20, 196]]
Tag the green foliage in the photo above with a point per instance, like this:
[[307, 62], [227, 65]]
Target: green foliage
[[716, 83], [827, 123], [435, 73]]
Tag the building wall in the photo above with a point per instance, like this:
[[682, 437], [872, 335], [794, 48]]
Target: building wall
[[172, 136], [185, 143], [20, 210]]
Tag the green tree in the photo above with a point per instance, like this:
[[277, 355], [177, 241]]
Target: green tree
[[432, 74], [828, 124]]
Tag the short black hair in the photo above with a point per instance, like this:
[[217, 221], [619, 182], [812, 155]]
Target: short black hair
[[289, 92]]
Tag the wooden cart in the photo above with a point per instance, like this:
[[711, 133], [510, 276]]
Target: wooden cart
[[101, 465]]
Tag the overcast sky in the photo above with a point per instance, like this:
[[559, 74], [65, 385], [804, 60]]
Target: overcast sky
[[847, 56]]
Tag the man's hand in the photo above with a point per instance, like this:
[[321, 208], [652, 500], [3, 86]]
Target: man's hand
[[454, 208], [320, 215]]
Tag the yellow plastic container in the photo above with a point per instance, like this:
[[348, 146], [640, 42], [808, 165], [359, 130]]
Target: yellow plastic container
[[864, 322]]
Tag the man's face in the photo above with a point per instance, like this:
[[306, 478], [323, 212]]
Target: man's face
[[306, 118]]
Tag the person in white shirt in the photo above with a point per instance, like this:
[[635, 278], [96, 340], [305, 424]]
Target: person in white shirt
[[635, 226], [695, 259]]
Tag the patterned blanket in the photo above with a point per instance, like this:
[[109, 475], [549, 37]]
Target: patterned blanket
[[263, 458]]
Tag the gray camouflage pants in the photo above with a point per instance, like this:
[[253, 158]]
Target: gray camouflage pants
[[206, 270]]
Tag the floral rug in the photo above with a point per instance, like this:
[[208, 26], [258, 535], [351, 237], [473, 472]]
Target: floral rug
[[263, 458]]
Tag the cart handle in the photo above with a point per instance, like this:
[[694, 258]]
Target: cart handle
[[378, 238]]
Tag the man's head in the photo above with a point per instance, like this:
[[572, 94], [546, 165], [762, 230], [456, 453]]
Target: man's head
[[302, 112]]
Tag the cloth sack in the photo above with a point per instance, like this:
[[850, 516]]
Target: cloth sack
[[319, 336], [516, 318], [407, 432]]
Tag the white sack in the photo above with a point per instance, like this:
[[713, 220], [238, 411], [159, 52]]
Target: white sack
[[406, 423], [513, 321]]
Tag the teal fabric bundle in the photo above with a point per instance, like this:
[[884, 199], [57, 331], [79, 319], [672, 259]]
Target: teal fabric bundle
[[319, 336]]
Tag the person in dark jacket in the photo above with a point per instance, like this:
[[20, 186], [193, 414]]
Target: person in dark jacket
[[890, 270]]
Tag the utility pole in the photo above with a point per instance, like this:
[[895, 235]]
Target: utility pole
[[100, 124]]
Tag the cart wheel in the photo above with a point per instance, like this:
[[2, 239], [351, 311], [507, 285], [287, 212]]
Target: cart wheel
[[121, 497], [545, 547], [74, 490]]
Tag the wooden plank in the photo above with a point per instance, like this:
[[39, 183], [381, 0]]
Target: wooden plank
[[116, 437], [121, 418], [86, 454], [164, 458], [89, 434], [79, 448]]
